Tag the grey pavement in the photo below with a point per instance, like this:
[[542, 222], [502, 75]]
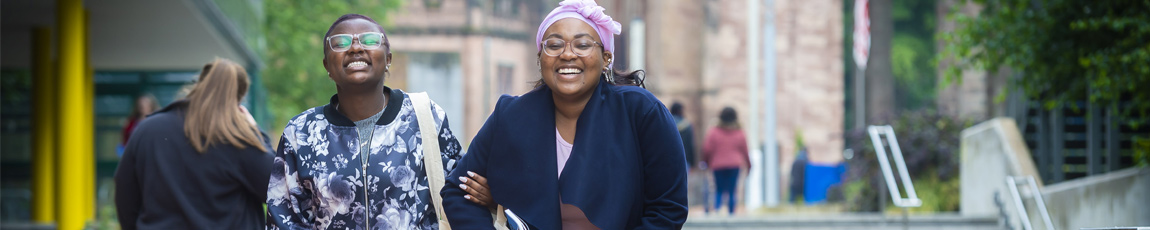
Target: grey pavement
[[844, 221]]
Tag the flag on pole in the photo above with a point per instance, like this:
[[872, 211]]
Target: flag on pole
[[861, 33]]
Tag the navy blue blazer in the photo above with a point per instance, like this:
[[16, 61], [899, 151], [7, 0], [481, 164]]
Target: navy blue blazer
[[626, 170]]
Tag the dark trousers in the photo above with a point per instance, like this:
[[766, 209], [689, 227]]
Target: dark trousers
[[725, 181]]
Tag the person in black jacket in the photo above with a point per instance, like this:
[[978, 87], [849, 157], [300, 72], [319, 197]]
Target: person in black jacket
[[686, 132], [199, 163]]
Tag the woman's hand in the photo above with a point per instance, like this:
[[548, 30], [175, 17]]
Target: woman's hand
[[477, 190]]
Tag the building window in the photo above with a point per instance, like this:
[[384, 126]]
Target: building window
[[504, 75], [432, 4], [506, 8]]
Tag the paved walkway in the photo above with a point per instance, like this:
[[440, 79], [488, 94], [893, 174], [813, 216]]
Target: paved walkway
[[946, 221]]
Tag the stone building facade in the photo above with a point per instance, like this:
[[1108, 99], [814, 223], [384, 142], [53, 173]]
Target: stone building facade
[[465, 54], [695, 52]]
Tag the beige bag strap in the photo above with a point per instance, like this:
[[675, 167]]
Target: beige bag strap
[[434, 165]]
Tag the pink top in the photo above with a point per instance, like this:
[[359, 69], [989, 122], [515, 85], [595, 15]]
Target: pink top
[[562, 151], [572, 216], [725, 149]]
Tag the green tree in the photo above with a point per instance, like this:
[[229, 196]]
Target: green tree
[[1066, 51], [901, 78], [294, 76], [911, 50]]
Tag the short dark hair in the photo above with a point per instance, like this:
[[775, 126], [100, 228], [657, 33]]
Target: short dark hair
[[677, 109], [346, 17], [728, 115]]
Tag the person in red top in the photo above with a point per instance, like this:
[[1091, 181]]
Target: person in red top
[[145, 104], [725, 152]]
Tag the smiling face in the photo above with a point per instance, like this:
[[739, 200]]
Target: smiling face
[[358, 65], [568, 74]]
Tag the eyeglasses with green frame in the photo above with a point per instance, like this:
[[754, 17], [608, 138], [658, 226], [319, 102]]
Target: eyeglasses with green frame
[[580, 46], [343, 42]]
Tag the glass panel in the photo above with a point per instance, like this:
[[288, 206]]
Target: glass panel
[[114, 105], [18, 145], [505, 75], [15, 200], [108, 144], [166, 94], [442, 78], [175, 77], [116, 78]]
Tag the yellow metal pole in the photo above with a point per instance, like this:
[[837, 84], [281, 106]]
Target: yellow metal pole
[[75, 128], [89, 106], [43, 128]]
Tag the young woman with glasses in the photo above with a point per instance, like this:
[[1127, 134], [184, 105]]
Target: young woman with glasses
[[585, 149], [356, 163]]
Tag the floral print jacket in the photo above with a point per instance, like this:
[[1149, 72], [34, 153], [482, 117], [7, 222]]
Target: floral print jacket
[[319, 180]]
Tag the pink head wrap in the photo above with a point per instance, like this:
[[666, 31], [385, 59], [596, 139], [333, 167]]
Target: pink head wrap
[[587, 11]]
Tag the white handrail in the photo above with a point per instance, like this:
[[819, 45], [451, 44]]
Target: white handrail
[[912, 198], [1012, 184]]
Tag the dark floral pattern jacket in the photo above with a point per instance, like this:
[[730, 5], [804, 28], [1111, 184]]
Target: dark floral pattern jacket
[[319, 180]]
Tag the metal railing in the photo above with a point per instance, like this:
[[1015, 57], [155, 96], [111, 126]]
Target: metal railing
[[1012, 184], [876, 133], [875, 136]]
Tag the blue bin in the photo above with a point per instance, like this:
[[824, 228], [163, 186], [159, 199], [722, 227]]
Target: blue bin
[[818, 178]]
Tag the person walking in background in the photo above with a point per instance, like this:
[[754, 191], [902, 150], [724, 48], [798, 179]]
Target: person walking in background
[[686, 132], [585, 149], [357, 162], [798, 175], [199, 163], [697, 179], [725, 152], [143, 105]]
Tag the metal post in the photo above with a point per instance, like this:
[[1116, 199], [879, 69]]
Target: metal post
[[1012, 184], [769, 71], [1113, 160], [1018, 203], [753, 195], [1056, 145], [860, 98], [1093, 153], [74, 203], [1041, 203], [1042, 150], [905, 218], [43, 128]]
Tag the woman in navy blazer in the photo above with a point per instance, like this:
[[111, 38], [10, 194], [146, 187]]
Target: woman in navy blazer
[[626, 162]]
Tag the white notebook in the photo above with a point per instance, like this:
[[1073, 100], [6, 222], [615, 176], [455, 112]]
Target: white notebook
[[514, 222]]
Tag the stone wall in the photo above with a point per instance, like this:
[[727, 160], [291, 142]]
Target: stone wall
[[696, 54]]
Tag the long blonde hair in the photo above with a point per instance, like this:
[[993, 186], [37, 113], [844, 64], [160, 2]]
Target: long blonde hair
[[213, 114]]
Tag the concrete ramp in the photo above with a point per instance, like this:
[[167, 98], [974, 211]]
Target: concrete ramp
[[1119, 198]]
